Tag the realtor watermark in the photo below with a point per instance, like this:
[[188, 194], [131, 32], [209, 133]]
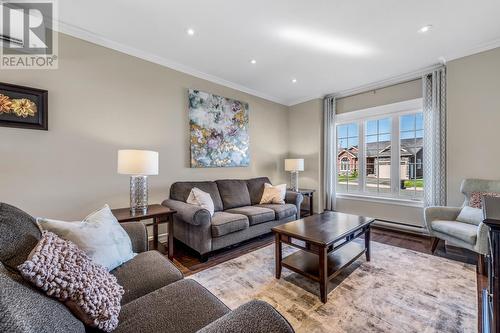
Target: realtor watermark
[[27, 36]]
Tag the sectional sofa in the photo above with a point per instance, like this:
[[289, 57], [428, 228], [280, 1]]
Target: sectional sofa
[[157, 298], [238, 213]]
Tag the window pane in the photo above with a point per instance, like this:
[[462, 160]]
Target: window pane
[[384, 126], [371, 127], [384, 175], [419, 118], [342, 131], [378, 156], [407, 123], [347, 157], [411, 155]]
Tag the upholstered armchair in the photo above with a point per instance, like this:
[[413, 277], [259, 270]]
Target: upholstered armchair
[[441, 221]]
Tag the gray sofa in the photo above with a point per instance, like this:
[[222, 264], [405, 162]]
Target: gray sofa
[[157, 298], [238, 214]]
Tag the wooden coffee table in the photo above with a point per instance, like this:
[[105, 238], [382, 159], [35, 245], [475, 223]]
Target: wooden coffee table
[[326, 245]]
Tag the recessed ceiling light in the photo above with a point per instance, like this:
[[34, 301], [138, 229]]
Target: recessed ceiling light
[[425, 28], [190, 32], [253, 61], [294, 80]]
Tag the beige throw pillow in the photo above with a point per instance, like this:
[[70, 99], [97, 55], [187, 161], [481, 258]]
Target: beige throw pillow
[[470, 215], [200, 198], [273, 194]]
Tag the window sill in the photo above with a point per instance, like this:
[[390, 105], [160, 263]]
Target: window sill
[[383, 200]]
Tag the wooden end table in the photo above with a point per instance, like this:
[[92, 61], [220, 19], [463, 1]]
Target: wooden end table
[[160, 214], [328, 245], [308, 193]]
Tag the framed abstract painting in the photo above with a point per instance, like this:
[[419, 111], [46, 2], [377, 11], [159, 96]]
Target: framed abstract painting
[[218, 131], [23, 107]]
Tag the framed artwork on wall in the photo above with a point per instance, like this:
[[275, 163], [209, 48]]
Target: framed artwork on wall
[[23, 107], [218, 131]]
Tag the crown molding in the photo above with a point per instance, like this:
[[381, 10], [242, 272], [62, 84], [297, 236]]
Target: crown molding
[[474, 50], [97, 39]]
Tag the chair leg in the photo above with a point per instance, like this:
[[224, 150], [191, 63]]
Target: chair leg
[[481, 264], [434, 244]]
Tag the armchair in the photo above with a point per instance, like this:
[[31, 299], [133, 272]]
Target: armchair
[[441, 221]]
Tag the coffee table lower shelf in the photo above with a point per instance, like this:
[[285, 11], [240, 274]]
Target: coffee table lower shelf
[[307, 264]]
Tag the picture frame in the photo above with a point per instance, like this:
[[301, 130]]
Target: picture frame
[[23, 107]]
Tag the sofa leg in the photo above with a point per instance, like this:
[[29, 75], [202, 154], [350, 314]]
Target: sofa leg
[[203, 257], [434, 244], [481, 264]]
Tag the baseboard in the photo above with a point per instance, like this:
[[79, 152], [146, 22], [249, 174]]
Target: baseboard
[[162, 238], [397, 226]]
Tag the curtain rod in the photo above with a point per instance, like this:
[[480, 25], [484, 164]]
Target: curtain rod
[[404, 78]]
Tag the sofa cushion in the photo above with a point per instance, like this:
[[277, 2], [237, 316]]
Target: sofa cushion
[[282, 211], [463, 231], [146, 272], [25, 309], [225, 223], [256, 188], [19, 234], [234, 193], [181, 307], [180, 191], [255, 214]]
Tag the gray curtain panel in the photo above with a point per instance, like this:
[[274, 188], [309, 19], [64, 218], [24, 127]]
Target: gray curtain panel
[[330, 165], [434, 106]]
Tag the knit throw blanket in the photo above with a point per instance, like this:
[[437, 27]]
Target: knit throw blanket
[[63, 271]]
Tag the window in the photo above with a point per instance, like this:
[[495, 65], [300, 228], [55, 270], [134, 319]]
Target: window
[[372, 143], [411, 136], [378, 155], [347, 157]]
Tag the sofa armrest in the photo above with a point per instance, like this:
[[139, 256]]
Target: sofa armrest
[[482, 238], [252, 317], [138, 235], [294, 198], [189, 213]]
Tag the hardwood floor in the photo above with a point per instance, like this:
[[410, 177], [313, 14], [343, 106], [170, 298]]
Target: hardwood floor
[[188, 262]]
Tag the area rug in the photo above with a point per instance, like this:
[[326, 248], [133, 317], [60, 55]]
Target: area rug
[[399, 290]]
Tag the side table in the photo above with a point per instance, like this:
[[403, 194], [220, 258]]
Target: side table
[[160, 214], [310, 195]]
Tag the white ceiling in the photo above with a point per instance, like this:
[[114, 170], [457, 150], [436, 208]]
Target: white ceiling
[[327, 45]]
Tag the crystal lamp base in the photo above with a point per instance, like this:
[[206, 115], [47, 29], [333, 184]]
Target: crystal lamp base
[[138, 194]]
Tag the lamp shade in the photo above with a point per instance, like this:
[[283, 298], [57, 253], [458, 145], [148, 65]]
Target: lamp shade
[[294, 164], [137, 162]]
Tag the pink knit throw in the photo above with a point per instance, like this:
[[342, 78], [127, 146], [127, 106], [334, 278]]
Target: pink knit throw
[[65, 272], [475, 198]]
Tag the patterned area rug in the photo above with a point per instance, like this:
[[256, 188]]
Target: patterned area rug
[[398, 291]]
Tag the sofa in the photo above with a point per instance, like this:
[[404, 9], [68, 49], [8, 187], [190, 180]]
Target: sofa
[[157, 298], [238, 213]]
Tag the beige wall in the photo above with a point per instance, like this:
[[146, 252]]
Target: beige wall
[[100, 101], [473, 120], [305, 135], [392, 94]]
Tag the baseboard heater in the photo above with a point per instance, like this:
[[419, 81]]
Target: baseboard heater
[[400, 226]]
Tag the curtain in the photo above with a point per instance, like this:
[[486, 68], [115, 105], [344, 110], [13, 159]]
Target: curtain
[[434, 108], [330, 161]]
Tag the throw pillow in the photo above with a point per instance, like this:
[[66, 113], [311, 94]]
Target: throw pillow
[[273, 194], [65, 272], [99, 235], [475, 198], [470, 215], [200, 198]]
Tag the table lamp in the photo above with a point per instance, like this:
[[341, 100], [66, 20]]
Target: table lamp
[[294, 165], [139, 164]]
